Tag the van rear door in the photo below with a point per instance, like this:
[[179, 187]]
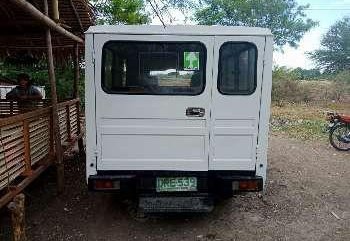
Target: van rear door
[[236, 102], [153, 101]]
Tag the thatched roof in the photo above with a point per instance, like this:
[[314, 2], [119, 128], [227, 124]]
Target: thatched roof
[[23, 34]]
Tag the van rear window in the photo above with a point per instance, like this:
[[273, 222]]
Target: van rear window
[[237, 68], [155, 68]]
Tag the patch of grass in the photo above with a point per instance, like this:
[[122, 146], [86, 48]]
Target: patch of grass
[[304, 130], [303, 121]]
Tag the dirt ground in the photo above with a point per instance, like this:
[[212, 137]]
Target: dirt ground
[[307, 198]]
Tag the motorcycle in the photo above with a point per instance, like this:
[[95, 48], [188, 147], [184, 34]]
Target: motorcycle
[[339, 131]]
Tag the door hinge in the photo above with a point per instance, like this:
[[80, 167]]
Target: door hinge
[[93, 57], [96, 153], [209, 150]]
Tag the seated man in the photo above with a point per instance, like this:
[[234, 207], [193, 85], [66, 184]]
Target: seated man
[[24, 91]]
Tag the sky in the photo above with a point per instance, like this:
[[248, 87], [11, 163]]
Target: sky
[[326, 12]]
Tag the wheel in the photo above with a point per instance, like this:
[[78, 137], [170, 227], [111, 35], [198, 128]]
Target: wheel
[[339, 137]]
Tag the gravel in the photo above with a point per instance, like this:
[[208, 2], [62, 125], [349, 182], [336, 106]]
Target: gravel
[[307, 198]]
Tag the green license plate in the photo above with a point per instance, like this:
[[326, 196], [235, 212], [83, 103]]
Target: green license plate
[[176, 184]]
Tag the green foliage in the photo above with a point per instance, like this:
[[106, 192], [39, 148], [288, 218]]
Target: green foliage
[[134, 11], [342, 82], [306, 74], [301, 129], [286, 19], [39, 76], [304, 121], [181, 4], [286, 87], [283, 73], [120, 11], [333, 56], [343, 77], [299, 121]]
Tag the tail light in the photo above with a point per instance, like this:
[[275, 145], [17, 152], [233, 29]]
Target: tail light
[[106, 184], [247, 185]]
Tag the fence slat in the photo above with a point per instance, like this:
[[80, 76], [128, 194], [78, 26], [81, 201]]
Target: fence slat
[[27, 143], [27, 158], [69, 136]]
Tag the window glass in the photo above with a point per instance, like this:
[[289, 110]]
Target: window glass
[[153, 68], [237, 68]]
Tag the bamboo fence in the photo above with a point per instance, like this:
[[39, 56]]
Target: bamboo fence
[[27, 143]]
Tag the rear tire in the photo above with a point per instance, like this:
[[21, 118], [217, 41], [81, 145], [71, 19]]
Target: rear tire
[[338, 137]]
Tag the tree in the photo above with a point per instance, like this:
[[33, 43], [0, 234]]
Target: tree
[[133, 11], [334, 54], [306, 74], [286, 19], [120, 11]]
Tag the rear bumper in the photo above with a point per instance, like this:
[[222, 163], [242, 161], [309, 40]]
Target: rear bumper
[[223, 183]]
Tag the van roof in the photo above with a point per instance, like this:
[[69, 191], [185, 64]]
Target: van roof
[[178, 30]]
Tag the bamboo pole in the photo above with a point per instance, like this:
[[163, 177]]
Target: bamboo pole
[[76, 15], [45, 19], [76, 71], [56, 128], [56, 13], [17, 210]]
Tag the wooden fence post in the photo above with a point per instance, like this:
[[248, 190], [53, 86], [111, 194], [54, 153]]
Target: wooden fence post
[[11, 107], [17, 210], [69, 132], [56, 128], [76, 71], [52, 135], [80, 140], [26, 139]]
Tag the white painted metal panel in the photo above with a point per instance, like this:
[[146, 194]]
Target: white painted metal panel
[[235, 118], [261, 164], [90, 108], [151, 132], [185, 30]]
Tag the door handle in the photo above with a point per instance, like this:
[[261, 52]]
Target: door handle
[[195, 112]]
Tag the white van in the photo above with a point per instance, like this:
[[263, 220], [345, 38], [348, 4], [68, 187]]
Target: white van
[[177, 115]]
